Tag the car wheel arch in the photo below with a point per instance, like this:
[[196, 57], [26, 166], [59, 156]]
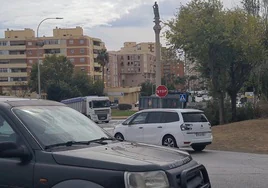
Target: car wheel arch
[[76, 183]]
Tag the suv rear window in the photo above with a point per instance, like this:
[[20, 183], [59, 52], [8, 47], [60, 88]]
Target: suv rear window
[[194, 117]]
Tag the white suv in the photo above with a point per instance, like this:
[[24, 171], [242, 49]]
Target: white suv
[[167, 127]]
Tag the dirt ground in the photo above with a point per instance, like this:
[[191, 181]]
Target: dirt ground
[[247, 136]]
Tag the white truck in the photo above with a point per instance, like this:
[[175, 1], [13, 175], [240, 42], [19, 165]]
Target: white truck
[[98, 109]]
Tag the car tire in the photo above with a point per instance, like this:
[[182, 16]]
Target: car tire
[[169, 141], [199, 147], [119, 136]]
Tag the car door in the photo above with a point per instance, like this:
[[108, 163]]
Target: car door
[[13, 172], [153, 128], [134, 130]]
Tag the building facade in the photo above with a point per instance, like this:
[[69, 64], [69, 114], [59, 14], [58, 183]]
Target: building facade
[[19, 51], [135, 64]]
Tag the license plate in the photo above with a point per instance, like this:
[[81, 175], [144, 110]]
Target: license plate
[[102, 118], [200, 134]]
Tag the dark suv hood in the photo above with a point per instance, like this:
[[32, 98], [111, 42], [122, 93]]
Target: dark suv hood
[[124, 156]]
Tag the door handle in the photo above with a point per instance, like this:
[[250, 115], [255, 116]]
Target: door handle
[[159, 127], [140, 127]]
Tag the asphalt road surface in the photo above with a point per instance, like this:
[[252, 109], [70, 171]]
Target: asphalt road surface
[[227, 169]]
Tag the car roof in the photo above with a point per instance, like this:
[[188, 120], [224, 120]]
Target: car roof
[[17, 101], [186, 110]]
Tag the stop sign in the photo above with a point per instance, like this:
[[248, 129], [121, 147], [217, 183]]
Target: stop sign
[[161, 91]]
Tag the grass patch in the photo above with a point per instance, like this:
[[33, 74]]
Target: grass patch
[[246, 136], [116, 112]]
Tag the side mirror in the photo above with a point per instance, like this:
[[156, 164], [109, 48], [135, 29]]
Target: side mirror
[[11, 150]]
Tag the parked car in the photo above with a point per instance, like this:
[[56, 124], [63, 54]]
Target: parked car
[[167, 127], [48, 144]]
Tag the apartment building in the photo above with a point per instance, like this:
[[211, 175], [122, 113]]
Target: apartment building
[[111, 71], [135, 64], [19, 51]]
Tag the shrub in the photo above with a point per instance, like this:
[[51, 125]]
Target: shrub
[[124, 106], [245, 113]]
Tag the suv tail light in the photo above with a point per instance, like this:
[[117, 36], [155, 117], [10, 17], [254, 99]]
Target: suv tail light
[[186, 127]]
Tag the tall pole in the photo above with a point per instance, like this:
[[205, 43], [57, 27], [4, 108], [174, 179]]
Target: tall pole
[[38, 58], [157, 29]]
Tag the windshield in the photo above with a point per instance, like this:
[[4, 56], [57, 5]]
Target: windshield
[[101, 104], [58, 124]]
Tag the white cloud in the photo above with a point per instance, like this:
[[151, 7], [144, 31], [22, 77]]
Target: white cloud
[[90, 14]]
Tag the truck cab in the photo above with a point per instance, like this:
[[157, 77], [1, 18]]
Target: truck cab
[[96, 108]]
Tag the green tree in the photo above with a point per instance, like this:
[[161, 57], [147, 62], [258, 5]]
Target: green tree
[[103, 59], [56, 68], [146, 88], [60, 82], [198, 29], [252, 7], [245, 50]]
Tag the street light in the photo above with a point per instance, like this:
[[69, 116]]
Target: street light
[[41, 44]]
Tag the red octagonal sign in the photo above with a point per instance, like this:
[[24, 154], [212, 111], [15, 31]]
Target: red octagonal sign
[[161, 91]]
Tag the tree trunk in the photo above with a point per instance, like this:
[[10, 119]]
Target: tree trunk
[[233, 102], [221, 108]]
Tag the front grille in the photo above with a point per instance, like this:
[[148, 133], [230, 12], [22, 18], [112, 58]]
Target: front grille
[[195, 177], [102, 112]]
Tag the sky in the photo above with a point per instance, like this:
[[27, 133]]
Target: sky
[[114, 21]]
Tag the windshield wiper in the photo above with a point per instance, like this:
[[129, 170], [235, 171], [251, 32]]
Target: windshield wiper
[[71, 143]]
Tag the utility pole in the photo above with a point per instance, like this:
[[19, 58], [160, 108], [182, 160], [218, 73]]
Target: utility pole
[[157, 29]]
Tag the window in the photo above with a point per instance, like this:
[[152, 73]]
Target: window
[[6, 132], [3, 79], [30, 52], [82, 60], [194, 117], [83, 69], [154, 117], [3, 69], [140, 119], [30, 43], [72, 60], [82, 51], [128, 58], [72, 51], [71, 41], [82, 41], [169, 117]]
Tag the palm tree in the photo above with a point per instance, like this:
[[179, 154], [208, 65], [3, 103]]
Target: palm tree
[[103, 59]]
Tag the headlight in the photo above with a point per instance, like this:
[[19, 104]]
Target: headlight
[[157, 179]]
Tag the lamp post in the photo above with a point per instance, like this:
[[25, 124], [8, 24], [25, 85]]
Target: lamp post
[[41, 44]]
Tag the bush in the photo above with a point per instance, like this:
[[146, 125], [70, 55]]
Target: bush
[[124, 106], [261, 110], [246, 112], [212, 112]]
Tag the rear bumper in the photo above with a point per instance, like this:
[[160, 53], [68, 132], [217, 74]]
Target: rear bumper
[[202, 141]]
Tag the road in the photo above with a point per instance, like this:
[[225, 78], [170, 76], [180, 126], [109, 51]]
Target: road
[[227, 169]]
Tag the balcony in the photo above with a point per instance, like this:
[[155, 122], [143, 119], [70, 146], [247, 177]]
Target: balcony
[[19, 47], [97, 73], [18, 56], [97, 65], [14, 74], [15, 65], [15, 83]]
